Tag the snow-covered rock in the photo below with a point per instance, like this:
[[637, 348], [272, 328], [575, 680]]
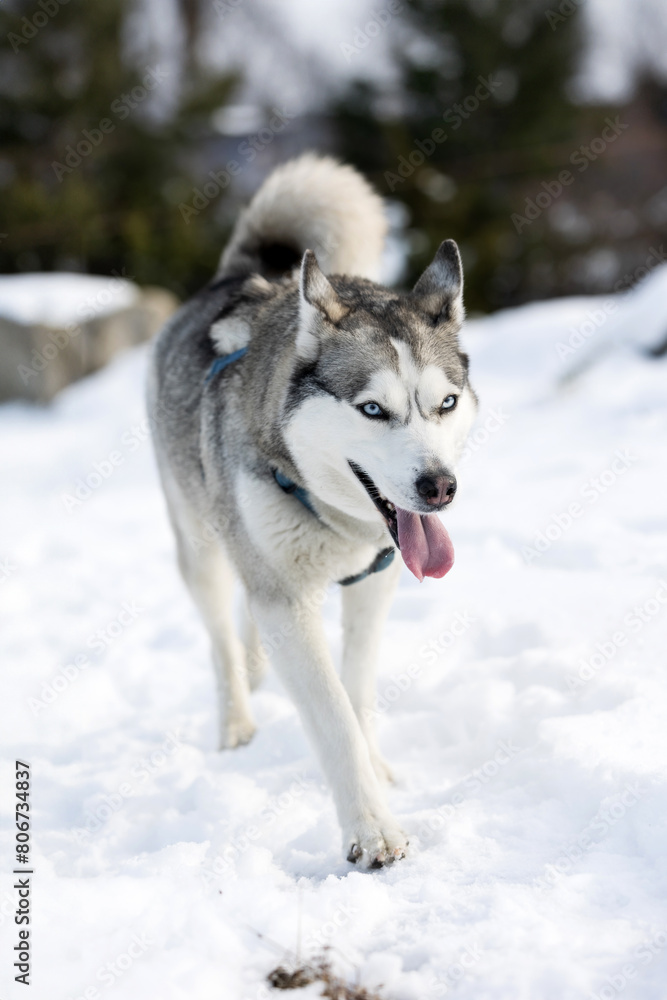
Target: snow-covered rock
[[55, 328]]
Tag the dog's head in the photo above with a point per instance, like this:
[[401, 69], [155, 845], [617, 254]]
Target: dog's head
[[380, 405]]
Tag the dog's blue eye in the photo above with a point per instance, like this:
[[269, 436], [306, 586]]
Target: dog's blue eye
[[372, 410], [448, 403]]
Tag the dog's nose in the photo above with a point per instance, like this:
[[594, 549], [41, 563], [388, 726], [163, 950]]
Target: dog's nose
[[436, 490]]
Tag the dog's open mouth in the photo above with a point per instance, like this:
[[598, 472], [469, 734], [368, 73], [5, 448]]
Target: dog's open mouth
[[386, 508], [424, 542]]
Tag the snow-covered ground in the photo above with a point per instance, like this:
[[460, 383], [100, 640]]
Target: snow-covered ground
[[522, 700]]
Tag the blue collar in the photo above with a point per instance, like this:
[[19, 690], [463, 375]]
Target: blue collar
[[225, 359], [383, 559], [300, 492]]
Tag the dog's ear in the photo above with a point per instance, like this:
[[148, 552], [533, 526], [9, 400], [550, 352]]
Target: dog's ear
[[319, 307], [439, 291]]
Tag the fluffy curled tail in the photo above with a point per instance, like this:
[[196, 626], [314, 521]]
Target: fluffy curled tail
[[311, 203]]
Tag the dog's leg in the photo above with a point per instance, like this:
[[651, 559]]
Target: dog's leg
[[210, 579], [305, 667], [365, 608], [256, 659]]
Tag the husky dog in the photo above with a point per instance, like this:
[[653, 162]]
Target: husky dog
[[307, 422]]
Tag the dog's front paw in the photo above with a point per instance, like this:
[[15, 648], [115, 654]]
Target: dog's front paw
[[236, 731], [376, 844]]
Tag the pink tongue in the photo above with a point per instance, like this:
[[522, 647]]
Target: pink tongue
[[426, 547]]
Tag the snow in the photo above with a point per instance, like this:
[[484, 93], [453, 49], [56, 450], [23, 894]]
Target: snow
[[301, 52], [335, 41], [60, 299], [521, 700], [622, 44]]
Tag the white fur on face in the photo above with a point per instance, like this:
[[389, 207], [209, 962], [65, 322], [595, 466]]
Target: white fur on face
[[320, 438], [326, 433], [399, 393]]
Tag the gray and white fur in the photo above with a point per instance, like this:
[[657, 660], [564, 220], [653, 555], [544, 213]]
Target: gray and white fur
[[341, 391]]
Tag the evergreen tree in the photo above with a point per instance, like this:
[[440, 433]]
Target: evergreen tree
[[481, 116], [93, 167]]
